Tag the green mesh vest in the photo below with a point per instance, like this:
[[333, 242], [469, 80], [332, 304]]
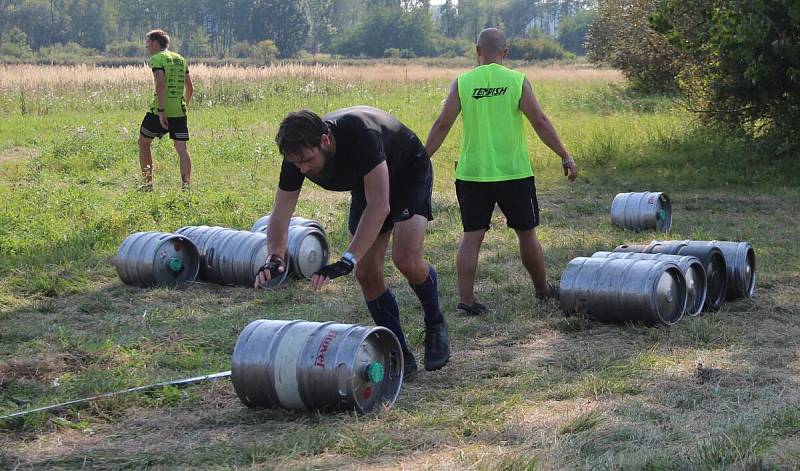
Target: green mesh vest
[[494, 145]]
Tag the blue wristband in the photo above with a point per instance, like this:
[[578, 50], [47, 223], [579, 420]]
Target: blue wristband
[[349, 257]]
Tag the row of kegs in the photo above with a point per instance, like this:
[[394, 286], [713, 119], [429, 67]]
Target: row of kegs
[[217, 254], [660, 282]]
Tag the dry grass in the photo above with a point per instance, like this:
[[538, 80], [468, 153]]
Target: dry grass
[[36, 76]]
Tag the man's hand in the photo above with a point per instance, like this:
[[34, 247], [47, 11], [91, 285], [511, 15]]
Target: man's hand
[[162, 118], [273, 268], [570, 168], [329, 272]]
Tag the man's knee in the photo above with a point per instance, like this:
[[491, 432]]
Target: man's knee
[[144, 142], [366, 275], [407, 261]]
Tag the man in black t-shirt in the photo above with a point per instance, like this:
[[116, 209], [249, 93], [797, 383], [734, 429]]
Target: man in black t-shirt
[[385, 167]]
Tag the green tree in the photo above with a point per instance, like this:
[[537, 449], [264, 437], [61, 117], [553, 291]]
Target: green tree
[[266, 51], [385, 28], [622, 37], [91, 23], [320, 19], [572, 31], [743, 66], [282, 21]]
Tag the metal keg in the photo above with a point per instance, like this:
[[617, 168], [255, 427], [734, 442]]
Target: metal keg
[[740, 261], [231, 257], [262, 223], [200, 235], [642, 211], [692, 270], [306, 250], [157, 258], [711, 257], [313, 365], [622, 290]]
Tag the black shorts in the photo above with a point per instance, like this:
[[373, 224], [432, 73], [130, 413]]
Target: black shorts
[[516, 198], [151, 128], [411, 197]]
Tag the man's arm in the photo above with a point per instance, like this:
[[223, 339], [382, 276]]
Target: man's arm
[[441, 127], [161, 96], [278, 230], [545, 130], [376, 191], [188, 89]]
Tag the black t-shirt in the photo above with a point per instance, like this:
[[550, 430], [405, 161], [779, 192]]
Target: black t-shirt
[[364, 137]]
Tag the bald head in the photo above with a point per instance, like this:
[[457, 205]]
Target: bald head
[[492, 42]]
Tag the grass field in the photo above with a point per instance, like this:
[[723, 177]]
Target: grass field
[[526, 388]]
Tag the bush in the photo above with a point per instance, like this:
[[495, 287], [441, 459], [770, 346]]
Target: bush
[[265, 51], [242, 50], [395, 53], [536, 49], [622, 37], [128, 48], [742, 67], [65, 52], [447, 47], [16, 45]]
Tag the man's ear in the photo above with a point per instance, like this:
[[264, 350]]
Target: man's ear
[[325, 141]]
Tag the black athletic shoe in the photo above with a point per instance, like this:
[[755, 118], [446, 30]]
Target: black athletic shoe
[[553, 292], [409, 367], [474, 309], [437, 346]]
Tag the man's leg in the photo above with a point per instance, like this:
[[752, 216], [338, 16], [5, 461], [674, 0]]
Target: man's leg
[[530, 251], [407, 249], [146, 159], [186, 161], [467, 264]]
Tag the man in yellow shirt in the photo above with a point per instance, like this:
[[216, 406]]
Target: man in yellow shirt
[[173, 91], [493, 166]]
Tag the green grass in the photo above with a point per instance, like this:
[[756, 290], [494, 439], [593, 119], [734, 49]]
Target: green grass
[[527, 388]]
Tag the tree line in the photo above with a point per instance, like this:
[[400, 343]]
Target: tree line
[[286, 28]]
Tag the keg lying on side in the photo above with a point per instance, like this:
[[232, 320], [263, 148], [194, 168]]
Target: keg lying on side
[[157, 258], [711, 257], [692, 270], [200, 235], [232, 257], [312, 365], [306, 250], [262, 223], [622, 290], [740, 261], [642, 211]]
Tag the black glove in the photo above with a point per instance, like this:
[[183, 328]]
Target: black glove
[[335, 270], [273, 266]]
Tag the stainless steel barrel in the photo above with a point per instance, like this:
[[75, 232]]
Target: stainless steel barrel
[[200, 235], [306, 250], [642, 211], [621, 290], [740, 262], [692, 270], [231, 257], [261, 224], [711, 257], [312, 365], [157, 258]]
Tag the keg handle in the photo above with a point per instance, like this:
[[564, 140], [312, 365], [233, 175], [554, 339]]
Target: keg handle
[[210, 257]]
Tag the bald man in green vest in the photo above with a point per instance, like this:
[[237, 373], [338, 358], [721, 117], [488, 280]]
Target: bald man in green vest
[[493, 166]]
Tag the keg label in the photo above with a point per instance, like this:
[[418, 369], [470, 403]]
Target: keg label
[[323, 349]]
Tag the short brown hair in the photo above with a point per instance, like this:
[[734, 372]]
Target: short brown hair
[[159, 35], [298, 130]]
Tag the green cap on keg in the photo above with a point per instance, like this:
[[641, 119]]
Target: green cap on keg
[[175, 264], [375, 372], [662, 215]]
